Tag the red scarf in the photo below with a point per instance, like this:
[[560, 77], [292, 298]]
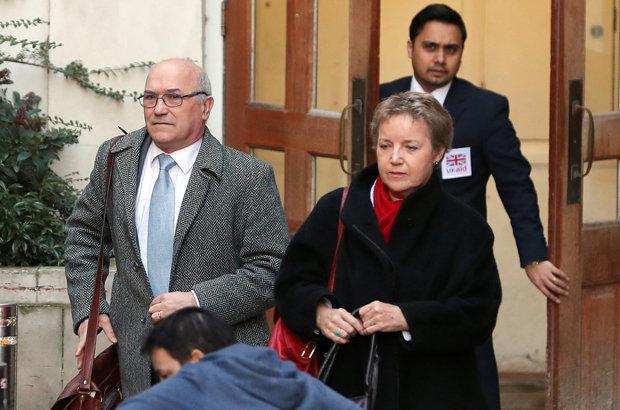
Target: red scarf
[[385, 209]]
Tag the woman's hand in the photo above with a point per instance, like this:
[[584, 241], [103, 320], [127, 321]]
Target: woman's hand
[[337, 325], [382, 317]]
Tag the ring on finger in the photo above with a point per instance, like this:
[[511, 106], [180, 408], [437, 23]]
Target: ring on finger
[[337, 333], [555, 278], [159, 313]]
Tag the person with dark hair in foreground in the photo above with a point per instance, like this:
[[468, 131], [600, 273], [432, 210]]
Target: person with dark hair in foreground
[[212, 371]]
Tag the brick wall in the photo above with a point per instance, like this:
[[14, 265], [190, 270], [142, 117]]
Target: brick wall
[[46, 342]]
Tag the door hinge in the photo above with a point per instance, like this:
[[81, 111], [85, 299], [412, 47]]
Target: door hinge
[[223, 28]]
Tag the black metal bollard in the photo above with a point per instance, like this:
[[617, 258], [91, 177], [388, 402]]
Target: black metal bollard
[[8, 354]]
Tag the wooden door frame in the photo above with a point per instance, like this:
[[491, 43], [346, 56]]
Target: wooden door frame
[[284, 128], [564, 319], [586, 252]]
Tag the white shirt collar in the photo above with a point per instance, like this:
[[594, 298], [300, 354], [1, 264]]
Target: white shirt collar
[[440, 94], [185, 157]]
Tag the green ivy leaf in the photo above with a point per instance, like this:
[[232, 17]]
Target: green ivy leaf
[[8, 172], [22, 156]]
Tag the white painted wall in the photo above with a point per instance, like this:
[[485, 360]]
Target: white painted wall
[[114, 34]]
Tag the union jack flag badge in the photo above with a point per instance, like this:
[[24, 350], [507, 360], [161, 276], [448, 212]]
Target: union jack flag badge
[[456, 163]]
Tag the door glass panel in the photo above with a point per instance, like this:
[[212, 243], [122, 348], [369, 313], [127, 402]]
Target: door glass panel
[[276, 159], [601, 92], [327, 176], [599, 192], [332, 55], [600, 187], [269, 51]]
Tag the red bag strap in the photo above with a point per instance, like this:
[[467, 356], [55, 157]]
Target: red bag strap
[[91, 334], [340, 229]]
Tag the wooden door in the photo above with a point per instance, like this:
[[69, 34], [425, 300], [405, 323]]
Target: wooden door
[[583, 356], [285, 107]]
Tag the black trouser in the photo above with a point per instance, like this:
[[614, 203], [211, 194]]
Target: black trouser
[[487, 368]]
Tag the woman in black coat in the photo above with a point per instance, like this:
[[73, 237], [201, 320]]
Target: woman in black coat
[[417, 263]]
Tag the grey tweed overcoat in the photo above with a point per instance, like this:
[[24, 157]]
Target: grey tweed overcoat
[[230, 237]]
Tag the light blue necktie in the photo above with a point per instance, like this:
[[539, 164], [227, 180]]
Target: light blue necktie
[[161, 228]]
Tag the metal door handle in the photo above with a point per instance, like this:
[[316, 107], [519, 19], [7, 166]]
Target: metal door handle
[[576, 173], [357, 105]]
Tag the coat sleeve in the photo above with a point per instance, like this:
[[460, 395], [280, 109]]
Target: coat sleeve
[[84, 230], [248, 291], [511, 171], [464, 314], [304, 275]]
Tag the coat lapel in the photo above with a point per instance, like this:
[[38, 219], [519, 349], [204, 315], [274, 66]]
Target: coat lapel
[[126, 162], [208, 166], [359, 217], [455, 100]]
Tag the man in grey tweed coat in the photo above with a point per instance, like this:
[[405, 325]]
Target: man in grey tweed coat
[[229, 237]]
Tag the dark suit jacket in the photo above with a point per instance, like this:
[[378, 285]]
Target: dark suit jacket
[[230, 237], [481, 122]]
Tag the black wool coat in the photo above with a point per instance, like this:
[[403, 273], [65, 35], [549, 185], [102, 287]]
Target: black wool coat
[[438, 267]]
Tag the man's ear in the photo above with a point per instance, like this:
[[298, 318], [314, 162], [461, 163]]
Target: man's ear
[[410, 49], [196, 355], [207, 106]]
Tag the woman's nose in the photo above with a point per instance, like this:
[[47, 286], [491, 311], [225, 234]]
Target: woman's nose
[[396, 158]]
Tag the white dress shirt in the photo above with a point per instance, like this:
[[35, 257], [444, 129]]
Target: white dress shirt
[[440, 94], [179, 173]]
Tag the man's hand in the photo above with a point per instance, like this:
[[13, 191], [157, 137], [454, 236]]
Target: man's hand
[[166, 304], [104, 323], [382, 317], [550, 280]]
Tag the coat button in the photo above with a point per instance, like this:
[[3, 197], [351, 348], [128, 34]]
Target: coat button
[[136, 266], [143, 320]]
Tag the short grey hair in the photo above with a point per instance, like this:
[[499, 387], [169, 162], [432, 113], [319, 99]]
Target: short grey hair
[[204, 85], [419, 107]]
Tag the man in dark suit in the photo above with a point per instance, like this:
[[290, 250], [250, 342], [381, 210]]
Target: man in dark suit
[[191, 222], [485, 143]]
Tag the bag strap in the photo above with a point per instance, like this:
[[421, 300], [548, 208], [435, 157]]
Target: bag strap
[[370, 379], [330, 285], [332, 276], [93, 320]]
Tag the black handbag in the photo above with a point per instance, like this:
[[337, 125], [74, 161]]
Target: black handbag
[[367, 400]]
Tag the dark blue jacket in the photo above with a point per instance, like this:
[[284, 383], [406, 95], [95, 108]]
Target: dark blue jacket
[[481, 122], [239, 377]]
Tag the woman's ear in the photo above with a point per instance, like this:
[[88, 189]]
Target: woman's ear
[[440, 153]]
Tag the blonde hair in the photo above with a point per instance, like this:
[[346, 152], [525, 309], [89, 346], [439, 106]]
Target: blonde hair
[[420, 107]]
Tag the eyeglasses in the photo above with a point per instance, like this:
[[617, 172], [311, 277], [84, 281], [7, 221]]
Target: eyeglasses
[[170, 99]]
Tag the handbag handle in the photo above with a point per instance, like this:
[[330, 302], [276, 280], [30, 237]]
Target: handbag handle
[[332, 275], [91, 334], [370, 381]]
